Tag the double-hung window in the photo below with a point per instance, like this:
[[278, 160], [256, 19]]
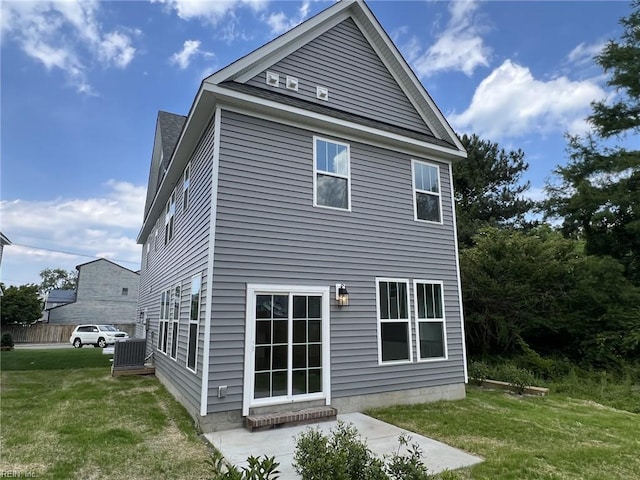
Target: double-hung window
[[194, 321], [185, 187], [175, 320], [331, 174], [430, 324], [426, 192], [394, 325], [168, 218], [163, 327]]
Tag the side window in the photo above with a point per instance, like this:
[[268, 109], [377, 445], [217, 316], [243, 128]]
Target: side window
[[185, 187], [394, 327], [175, 319], [163, 324], [426, 192], [331, 174], [430, 324], [194, 322], [168, 218]]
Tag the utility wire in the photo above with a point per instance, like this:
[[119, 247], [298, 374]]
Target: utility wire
[[69, 253]]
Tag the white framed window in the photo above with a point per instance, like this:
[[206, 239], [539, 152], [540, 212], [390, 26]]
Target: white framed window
[[185, 187], [194, 322], [427, 204], [331, 174], [431, 330], [394, 321], [168, 218], [148, 254], [175, 320], [163, 324], [155, 241]]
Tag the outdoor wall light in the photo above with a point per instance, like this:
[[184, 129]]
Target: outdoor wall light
[[342, 296]]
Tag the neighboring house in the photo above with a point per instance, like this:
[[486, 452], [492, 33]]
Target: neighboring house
[[3, 241], [315, 165], [55, 298], [107, 293]]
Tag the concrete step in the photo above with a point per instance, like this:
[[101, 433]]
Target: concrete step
[[296, 417]]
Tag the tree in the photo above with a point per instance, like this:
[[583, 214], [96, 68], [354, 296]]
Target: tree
[[598, 192], [488, 188], [20, 304], [58, 278]]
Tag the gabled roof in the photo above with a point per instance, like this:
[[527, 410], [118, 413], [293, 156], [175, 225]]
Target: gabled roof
[[4, 240], [170, 125], [262, 58], [78, 267], [61, 296]]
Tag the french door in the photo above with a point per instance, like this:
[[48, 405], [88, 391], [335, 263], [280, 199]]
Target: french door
[[287, 345]]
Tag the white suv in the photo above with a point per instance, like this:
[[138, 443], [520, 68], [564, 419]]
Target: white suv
[[96, 335]]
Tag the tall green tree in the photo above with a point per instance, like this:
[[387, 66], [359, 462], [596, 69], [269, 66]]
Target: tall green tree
[[57, 278], [20, 304], [597, 194], [488, 188]]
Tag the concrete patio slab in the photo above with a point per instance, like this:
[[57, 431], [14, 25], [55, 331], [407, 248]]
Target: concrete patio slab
[[382, 438]]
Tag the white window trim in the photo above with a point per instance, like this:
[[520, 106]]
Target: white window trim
[[169, 219], [407, 321], [173, 320], [427, 192], [430, 320], [194, 322], [316, 171], [164, 320], [250, 344]]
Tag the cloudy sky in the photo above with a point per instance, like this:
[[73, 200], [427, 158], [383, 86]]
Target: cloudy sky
[[82, 83]]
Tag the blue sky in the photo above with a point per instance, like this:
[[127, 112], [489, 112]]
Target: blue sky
[[81, 84]]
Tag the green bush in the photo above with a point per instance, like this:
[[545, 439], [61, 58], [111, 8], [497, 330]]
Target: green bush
[[479, 371], [517, 377], [259, 468], [6, 341], [343, 455]]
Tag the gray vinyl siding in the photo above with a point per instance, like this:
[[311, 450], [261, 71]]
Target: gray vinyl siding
[[175, 263], [99, 297], [343, 61], [268, 232]]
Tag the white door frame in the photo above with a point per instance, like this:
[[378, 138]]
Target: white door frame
[[254, 289]]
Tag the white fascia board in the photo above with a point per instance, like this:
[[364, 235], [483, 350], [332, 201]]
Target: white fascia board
[[269, 109], [199, 117], [402, 64], [265, 56]]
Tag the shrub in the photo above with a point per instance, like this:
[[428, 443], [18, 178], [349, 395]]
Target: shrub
[[259, 468], [519, 378], [6, 341], [478, 371]]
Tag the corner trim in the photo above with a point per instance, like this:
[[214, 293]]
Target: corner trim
[[212, 241]]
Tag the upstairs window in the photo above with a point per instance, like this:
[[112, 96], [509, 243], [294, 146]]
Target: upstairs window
[[185, 188], [426, 192], [125, 291], [332, 177], [194, 322], [168, 218], [163, 324]]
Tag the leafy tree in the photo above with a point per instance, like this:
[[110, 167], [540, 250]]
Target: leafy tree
[[541, 290], [20, 304], [488, 188], [598, 193], [58, 278]]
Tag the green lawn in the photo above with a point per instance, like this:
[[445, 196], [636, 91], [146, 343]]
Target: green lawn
[[554, 437], [63, 417]]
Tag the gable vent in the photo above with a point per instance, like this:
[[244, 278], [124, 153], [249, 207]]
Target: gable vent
[[292, 83], [322, 93], [273, 79]]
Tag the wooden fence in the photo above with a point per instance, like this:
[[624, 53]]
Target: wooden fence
[[50, 333]]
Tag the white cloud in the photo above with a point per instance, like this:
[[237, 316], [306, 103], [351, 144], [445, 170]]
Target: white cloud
[[280, 23], [584, 53], [510, 102], [72, 230], [67, 36], [189, 50], [210, 11], [459, 47]]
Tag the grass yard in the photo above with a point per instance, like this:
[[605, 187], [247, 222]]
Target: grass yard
[[554, 437], [63, 416]]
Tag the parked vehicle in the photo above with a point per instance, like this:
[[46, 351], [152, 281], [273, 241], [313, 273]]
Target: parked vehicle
[[96, 335]]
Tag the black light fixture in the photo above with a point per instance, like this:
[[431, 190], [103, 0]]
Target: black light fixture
[[342, 296]]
